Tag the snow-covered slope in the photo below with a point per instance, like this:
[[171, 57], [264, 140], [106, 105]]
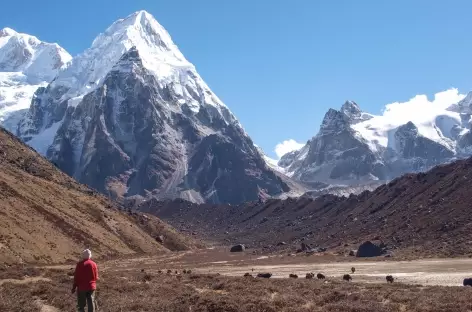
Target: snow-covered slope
[[132, 117], [26, 63], [354, 147]]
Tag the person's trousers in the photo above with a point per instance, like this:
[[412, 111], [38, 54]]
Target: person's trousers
[[86, 298]]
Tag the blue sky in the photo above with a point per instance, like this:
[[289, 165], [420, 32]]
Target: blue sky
[[279, 65]]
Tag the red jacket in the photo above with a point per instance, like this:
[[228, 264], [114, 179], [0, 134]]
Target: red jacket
[[86, 275]]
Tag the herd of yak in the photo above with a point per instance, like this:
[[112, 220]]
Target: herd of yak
[[346, 277], [320, 276]]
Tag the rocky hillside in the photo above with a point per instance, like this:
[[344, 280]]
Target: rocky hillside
[[47, 217], [131, 117], [426, 214], [353, 147]]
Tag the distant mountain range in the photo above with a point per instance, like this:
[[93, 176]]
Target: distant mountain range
[[132, 118], [356, 148]]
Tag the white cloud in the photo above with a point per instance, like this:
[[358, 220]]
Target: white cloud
[[420, 105], [421, 111], [287, 146]]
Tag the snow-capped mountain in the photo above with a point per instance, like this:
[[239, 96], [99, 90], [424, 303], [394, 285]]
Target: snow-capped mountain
[[26, 63], [131, 116], [353, 147]]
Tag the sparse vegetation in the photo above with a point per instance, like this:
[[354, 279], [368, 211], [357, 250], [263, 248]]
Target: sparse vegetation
[[125, 291], [47, 217]]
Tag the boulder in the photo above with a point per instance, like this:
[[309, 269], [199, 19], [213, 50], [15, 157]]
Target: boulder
[[371, 249], [238, 248], [305, 247], [160, 239]]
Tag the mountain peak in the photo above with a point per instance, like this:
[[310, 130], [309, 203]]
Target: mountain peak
[[24, 53], [407, 130], [5, 32], [333, 121], [143, 31], [139, 31], [350, 106], [351, 110]]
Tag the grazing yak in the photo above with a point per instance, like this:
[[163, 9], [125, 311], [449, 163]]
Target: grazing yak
[[347, 277], [467, 282], [353, 269], [389, 278], [320, 276], [264, 275], [247, 275], [309, 275], [293, 276]]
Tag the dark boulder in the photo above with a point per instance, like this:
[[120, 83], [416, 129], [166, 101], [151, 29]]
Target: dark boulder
[[305, 247], [160, 239], [371, 249], [238, 248]]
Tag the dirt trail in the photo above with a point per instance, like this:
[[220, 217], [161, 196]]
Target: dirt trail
[[45, 308], [25, 280]]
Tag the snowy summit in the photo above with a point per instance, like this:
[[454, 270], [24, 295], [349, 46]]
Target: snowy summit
[[355, 147], [131, 116], [26, 63]]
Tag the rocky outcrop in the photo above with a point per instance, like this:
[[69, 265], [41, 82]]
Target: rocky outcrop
[[238, 248], [370, 249]]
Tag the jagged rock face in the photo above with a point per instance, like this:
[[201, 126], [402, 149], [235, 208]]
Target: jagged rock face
[[146, 132], [351, 148], [352, 112], [335, 153], [219, 170], [413, 145]]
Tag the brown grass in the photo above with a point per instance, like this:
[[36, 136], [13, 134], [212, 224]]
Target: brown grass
[[149, 291], [47, 217]]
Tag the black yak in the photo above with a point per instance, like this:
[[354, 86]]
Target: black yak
[[347, 277]]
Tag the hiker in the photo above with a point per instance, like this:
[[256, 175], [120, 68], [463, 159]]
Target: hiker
[[85, 282]]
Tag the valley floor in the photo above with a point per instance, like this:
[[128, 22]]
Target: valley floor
[[135, 284], [428, 272]]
